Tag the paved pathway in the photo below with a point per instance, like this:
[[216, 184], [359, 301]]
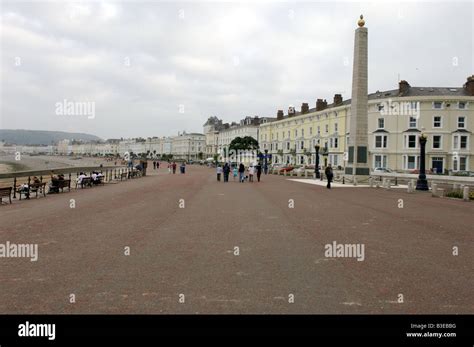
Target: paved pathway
[[190, 250]]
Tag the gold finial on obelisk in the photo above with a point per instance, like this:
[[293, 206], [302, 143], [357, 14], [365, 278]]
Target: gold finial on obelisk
[[361, 21]]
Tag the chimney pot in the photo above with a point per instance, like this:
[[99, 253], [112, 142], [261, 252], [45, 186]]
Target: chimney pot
[[304, 108], [280, 114], [321, 104], [337, 99], [469, 85], [403, 87]]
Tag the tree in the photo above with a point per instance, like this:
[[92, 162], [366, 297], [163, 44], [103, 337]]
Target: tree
[[243, 143]]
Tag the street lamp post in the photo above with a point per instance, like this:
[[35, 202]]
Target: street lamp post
[[422, 183], [265, 165], [316, 165]]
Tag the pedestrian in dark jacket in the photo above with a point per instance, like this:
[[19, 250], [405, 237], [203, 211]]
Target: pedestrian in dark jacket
[[329, 175], [259, 171], [226, 172], [241, 172]]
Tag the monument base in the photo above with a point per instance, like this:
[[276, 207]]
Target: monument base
[[358, 171]]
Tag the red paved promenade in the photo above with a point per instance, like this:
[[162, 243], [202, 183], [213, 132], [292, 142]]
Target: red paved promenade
[[191, 250]]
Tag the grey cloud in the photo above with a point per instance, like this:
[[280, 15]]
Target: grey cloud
[[229, 60]]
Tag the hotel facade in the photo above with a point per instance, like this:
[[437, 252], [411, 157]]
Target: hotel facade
[[396, 119]]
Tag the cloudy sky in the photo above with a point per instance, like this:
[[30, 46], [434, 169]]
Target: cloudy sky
[[153, 68]]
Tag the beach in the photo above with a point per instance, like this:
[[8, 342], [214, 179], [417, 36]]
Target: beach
[[43, 162]]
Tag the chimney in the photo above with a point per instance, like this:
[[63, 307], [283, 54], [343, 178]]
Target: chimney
[[337, 99], [321, 105], [403, 87], [280, 114], [304, 108], [469, 85], [291, 111]]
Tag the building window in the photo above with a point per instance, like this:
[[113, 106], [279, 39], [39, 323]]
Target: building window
[[301, 159], [437, 122], [381, 141], [335, 127], [410, 162], [336, 142], [410, 141], [330, 142], [412, 123], [327, 128], [461, 105], [319, 130], [380, 161], [311, 130], [461, 122], [381, 123], [288, 134], [437, 142], [380, 107], [459, 163], [302, 132], [437, 105], [296, 132], [463, 142], [302, 145], [460, 142]]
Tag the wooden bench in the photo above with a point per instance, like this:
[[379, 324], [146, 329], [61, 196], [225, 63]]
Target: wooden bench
[[134, 174], [33, 188], [85, 182], [6, 192], [59, 184], [99, 181]]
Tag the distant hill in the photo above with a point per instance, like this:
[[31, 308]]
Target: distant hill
[[41, 137]]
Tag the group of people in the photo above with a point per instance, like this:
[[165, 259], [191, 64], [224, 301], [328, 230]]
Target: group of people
[[239, 171], [25, 187], [96, 177], [53, 185], [172, 166]]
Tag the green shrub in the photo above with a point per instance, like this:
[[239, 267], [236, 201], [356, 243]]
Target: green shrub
[[454, 194]]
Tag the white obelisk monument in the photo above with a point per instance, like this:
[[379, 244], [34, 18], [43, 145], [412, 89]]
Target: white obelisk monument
[[357, 164]]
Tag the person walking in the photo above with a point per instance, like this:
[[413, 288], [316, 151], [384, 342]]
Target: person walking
[[251, 173], [226, 172], [169, 167], [157, 165], [174, 167], [235, 172], [154, 165], [259, 171], [329, 175], [241, 172], [219, 172]]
